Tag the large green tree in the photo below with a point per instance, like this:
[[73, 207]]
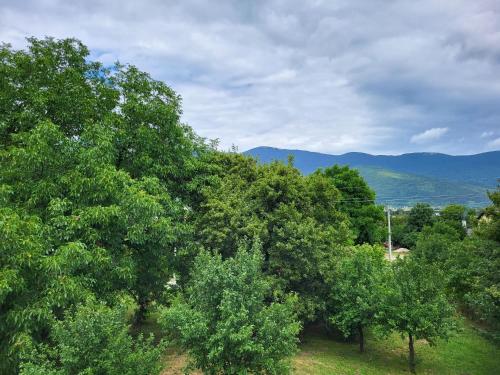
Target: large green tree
[[225, 323], [434, 243], [297, 219], [408, 227], [358, 288], [415, 304], [453, 215], [473, 266], [97, 176], [357, 200], [420, 215]]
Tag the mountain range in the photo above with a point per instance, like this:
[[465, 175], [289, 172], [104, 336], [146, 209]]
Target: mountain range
[[403, 180]]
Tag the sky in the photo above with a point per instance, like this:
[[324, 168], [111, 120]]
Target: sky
[[377, 76]]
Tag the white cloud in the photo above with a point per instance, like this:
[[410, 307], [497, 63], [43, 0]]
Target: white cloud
[[494, 143], [428, 135], [330, 76]]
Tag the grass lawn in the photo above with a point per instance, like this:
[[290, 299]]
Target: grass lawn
[[467, 353]]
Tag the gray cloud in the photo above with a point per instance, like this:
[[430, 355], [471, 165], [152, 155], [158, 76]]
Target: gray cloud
[[330, 76]]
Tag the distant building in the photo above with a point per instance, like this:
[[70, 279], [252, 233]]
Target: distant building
[[398, 253]]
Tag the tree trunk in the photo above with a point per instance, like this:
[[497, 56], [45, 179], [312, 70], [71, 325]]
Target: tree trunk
[[411, 360], [361, 339], [140, 314]]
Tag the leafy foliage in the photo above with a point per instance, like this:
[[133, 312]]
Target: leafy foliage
[[416, 304], [358, 290], [93, 340], [94, 176], [225, 323], [105, 196], [295, 217], [358, 202]]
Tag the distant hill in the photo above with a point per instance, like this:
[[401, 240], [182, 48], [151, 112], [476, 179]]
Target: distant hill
[[401, 180]]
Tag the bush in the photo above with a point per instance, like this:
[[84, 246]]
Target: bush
[[93, 340], [225, 323]]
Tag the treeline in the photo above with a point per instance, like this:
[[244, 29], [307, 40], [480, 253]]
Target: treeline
[[106, 198]]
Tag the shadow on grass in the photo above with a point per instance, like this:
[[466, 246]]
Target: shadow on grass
[[466, 353], [323, 353]]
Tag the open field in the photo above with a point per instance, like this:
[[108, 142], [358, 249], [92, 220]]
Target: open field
[[467, 353]]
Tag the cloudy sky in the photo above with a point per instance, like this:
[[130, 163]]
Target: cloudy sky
[[386, 77]]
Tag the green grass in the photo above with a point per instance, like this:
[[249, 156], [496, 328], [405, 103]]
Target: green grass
[[466, 353]]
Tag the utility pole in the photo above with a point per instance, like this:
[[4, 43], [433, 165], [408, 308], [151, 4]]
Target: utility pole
[[389, 231]]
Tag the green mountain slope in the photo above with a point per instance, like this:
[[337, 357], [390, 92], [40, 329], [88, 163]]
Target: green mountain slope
[[403, 180], [402, 189], [480, 169]]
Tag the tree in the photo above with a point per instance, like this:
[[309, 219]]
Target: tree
[[296, 218], [474, 281], [416, 304], [401, 234], [472, 266], [101, 157], [226, 324], [434, 243], [358, 202], [93, 340], [52, 80], [453, 215], [80, 196], [357, 291], [490, 227], [406, 228], [96, 175], [420, 215]]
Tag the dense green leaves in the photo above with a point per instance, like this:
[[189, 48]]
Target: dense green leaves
[[93, 340], [358, 291], [420, 215], [415, 304], [105, 196], [226, 324], [295, 217], [93, 168], [358, 201]]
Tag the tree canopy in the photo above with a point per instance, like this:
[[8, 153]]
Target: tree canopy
[[225, 323], [358, 290]]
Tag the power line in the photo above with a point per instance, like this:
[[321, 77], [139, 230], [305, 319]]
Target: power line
[[415, 197]]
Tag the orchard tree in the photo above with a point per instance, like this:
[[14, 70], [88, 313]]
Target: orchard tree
[[225, 322], [94, 339], [474, 281], [100, 156], [80, 197], [420, 216], [358, 289], [54, 80], [472, 267], [416, 305]]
